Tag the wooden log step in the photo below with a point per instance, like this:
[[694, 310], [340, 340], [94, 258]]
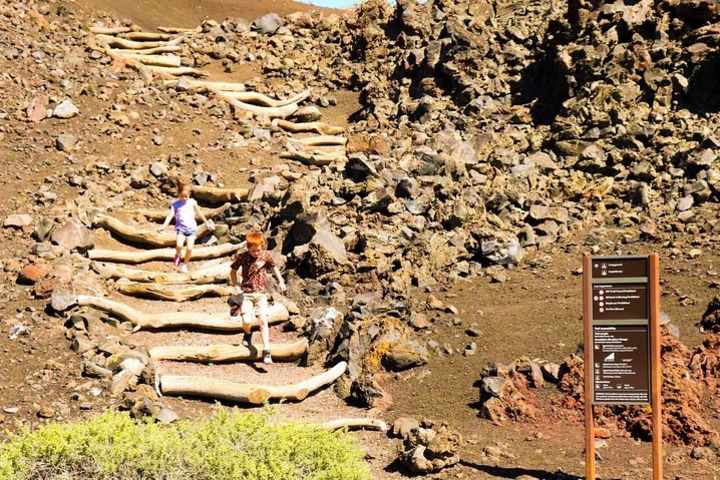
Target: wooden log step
[[134, 257], [204, 275], [132, 44], [173, 293], [147, 36], [271, 112], [110, 30], [277, 313], [169, 60], [318, 127], [215, 195], [317, 158], [263, 100], [206, 86], [179, 30], [146, 51], [141, 236], [322, 140], [286, 352], [251, 393]]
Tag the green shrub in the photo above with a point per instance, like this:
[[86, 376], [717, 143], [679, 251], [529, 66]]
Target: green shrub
[[230, 445]]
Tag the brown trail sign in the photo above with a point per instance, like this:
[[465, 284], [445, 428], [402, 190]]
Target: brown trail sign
[[621, 314]]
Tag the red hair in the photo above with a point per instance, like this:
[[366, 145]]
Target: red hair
[[254, 239]]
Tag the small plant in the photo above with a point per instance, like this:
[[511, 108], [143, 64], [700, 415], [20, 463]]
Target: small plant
[[230, 445]]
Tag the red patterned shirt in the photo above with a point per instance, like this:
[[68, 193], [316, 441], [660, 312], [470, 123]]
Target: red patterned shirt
[[254, 270]]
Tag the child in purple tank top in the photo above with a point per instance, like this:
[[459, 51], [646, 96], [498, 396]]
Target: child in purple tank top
[[184, 210]]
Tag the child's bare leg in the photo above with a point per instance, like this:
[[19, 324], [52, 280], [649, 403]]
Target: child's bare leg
[[264, 329], [247, 315], [179, 241], [188, 248]]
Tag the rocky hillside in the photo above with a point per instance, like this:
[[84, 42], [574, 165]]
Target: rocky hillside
[[459, 161]]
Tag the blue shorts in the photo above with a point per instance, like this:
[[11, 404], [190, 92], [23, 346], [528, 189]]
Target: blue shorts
[[186, 233]]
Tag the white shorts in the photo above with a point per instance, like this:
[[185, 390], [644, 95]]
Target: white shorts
[[251, 301]]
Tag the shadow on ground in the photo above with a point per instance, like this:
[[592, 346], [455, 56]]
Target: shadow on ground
[[495, 471], [515, 472]]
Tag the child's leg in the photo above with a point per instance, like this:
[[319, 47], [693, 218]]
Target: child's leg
[[189, 247], [247, 314], [179, 241], [264, 329]]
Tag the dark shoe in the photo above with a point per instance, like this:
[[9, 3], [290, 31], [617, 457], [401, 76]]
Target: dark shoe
[[247, 339], [236, 300], [267, 358]]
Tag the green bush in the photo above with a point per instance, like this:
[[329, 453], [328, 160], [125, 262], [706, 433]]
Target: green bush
[[230, 445]]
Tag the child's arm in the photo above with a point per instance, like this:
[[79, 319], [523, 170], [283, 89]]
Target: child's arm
[[167, 220], [281, 282], [233, 279], [200, 214]]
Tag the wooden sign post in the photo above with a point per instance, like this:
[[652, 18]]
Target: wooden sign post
[[621, 315]]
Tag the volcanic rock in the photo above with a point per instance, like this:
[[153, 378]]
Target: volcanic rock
[[404, 354], [268, 24], [65, 109], [34, 272], [66, 142], [427, 450], [73, 235], [19, 220]]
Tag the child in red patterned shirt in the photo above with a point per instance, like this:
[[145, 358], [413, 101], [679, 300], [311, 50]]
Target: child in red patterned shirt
[[253, 265]]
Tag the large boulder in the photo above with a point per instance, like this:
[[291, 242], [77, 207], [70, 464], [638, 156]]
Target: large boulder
[[322, 329], [63, 297], [404, 354], [358, 168], [403, 427], [353, 341], [268, 24], [296, 200], [318, 249], [73, 235], [44, 288], [428, 450], [306, 225], [37, 108], [330, 246], [379, 199], [500, 249], [143, 401], [43, 228]]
